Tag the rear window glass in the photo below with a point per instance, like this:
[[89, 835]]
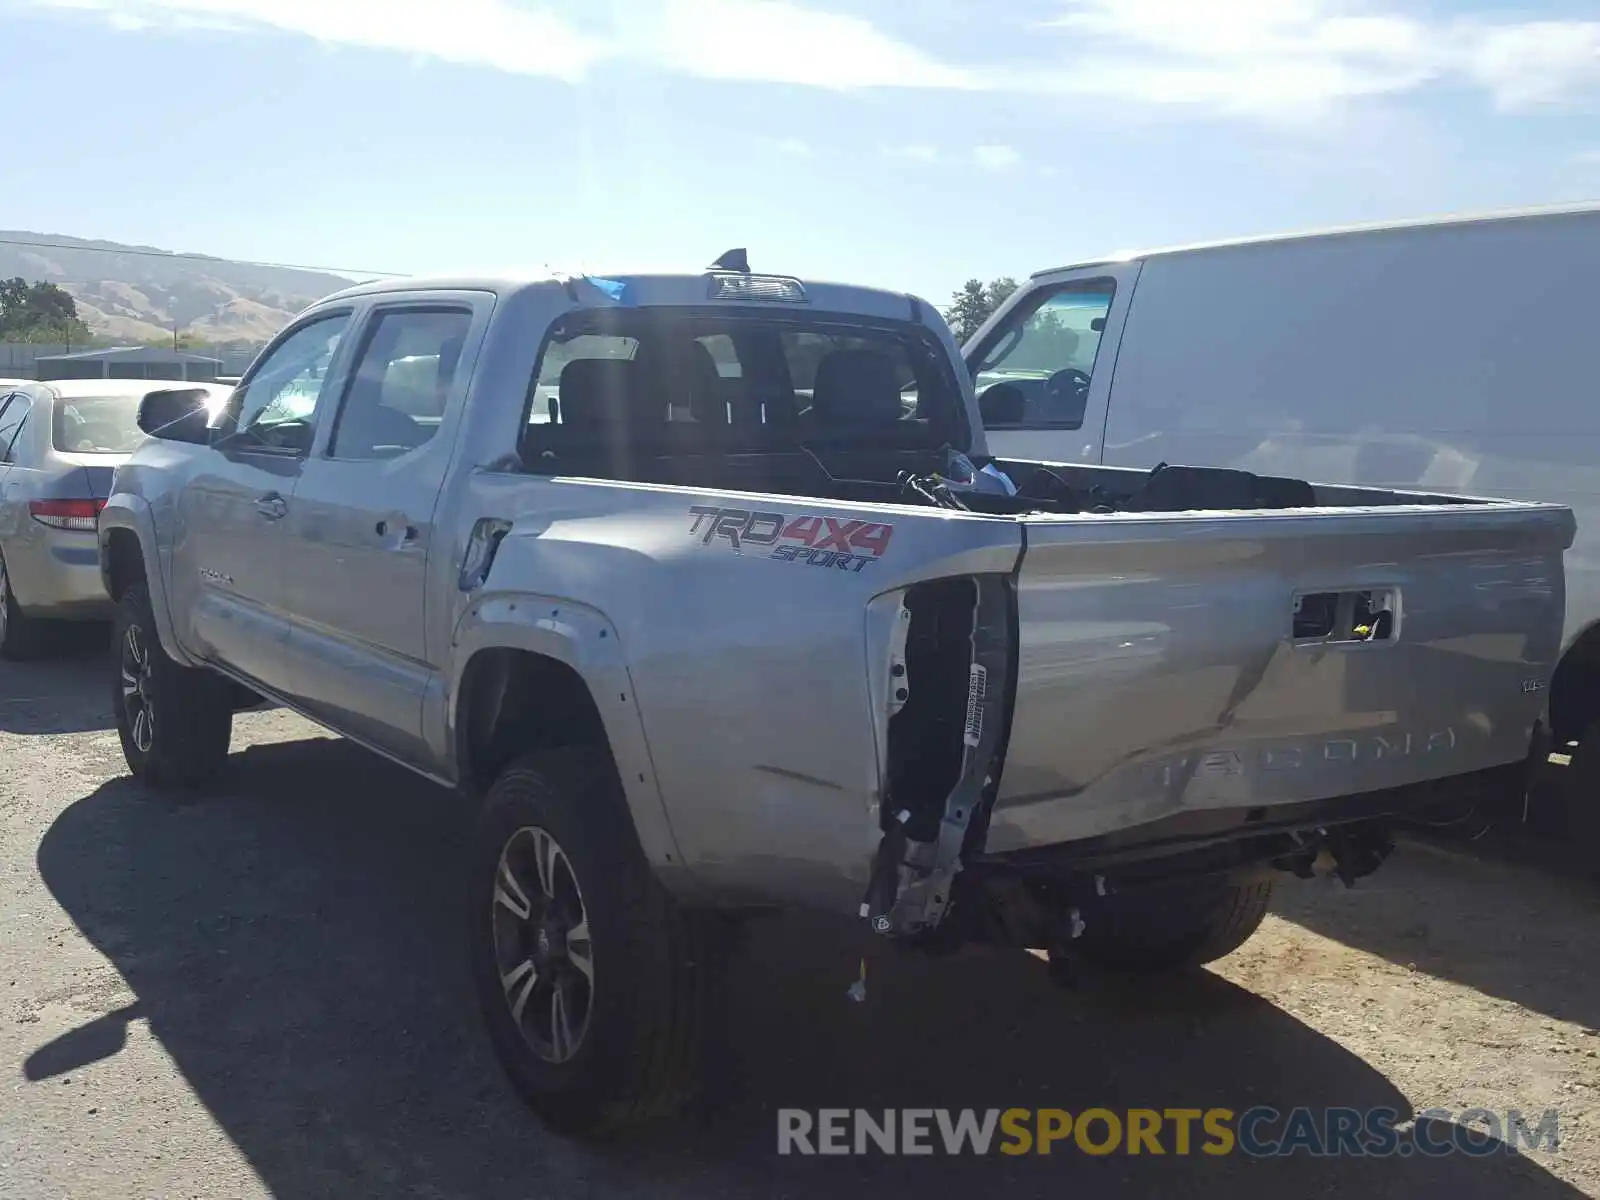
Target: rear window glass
[[743, 380], [97, 425]]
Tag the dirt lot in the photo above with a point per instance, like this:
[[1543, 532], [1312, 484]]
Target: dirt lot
[[260, 992]]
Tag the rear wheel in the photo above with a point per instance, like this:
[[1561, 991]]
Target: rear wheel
[[1580, 799], [1175, 926], [595, 986], [21, 636], [175, 722]]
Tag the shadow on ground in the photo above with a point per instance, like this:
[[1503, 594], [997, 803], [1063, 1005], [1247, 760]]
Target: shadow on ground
[[1503, 928], [66, 691], [293, 941]]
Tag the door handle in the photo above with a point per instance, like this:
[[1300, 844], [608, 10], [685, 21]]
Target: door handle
[[407, 533], [272, 506]]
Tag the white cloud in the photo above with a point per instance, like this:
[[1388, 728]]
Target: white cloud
[[1260, 59], [792, 146], [1293, 58], [771, 41], [916, 153], [488, 33], [1536, 63], [995, 158]]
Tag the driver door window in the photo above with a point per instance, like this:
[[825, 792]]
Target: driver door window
[[276, 409], [1037, 374]]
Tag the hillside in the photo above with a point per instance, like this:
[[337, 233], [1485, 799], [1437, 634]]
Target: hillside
[[136, 293]]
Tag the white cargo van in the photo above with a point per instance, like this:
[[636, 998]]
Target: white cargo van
[[1453, 355]]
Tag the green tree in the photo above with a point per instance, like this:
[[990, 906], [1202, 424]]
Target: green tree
[[38, 312], [975, 303]]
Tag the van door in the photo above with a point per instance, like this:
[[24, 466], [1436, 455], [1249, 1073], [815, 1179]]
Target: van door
[[1042, 364]]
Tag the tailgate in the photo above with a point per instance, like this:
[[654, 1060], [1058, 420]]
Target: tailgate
[[1162, 668]]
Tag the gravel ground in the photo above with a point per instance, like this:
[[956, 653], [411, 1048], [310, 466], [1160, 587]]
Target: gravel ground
[[259, 991]]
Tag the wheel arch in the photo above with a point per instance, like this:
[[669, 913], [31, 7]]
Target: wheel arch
[[1575, 687], [127, 537], [539, 671]]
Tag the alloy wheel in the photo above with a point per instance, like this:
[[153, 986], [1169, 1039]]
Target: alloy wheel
[[542, 948], [136, 689]]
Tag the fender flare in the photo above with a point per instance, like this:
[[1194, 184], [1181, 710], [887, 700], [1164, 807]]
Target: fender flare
[[130, 512], [584, 639]]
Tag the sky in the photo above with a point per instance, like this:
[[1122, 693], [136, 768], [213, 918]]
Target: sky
[[911, 145]]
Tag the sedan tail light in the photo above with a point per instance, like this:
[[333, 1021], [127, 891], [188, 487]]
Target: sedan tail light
[[82, 515]]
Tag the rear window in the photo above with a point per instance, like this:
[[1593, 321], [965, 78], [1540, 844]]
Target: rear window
[[743, 381], [97, 425]]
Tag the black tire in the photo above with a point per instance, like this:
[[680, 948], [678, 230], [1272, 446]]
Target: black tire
[[1174, 927], [21, 637], [654, 968], [181, 741], [1580, 801]]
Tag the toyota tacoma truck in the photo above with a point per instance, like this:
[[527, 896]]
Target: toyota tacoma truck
[[704, 590]]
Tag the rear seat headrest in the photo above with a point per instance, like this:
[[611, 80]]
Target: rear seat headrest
[[685, 374], [706, 400], [608, 391], [856, 387]]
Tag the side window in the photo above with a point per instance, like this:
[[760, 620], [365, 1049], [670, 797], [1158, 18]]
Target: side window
[[402, 381], [12, 418], [277, 407], [545, 403], [1036, 371]]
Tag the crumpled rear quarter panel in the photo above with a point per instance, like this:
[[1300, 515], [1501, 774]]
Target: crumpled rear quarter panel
[[750, 661]]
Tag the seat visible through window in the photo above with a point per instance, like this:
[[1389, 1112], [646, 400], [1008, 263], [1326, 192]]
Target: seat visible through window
[[402, 384]]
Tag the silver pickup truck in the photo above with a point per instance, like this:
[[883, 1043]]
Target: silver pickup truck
[[704, 589]]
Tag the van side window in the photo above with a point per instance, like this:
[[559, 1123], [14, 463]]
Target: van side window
[[1036, 370]]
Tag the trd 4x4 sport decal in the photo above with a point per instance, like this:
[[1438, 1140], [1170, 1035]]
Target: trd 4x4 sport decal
[[837, 542]]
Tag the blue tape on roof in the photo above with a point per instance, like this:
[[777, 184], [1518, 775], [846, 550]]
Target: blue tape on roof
[[613, 288]]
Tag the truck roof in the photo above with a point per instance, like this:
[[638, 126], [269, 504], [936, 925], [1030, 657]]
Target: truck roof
[[1490, 216], [653, 288]]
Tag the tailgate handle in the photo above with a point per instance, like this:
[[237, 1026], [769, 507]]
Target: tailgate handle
[[1352, 617]]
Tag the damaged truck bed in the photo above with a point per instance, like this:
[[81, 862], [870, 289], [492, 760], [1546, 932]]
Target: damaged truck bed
[[1050, 694], [707, 591]]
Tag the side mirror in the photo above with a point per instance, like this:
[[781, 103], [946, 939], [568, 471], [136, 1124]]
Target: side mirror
[[177, 415]]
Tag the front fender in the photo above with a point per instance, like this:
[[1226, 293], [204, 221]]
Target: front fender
[[584, 639], [131, 512]]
